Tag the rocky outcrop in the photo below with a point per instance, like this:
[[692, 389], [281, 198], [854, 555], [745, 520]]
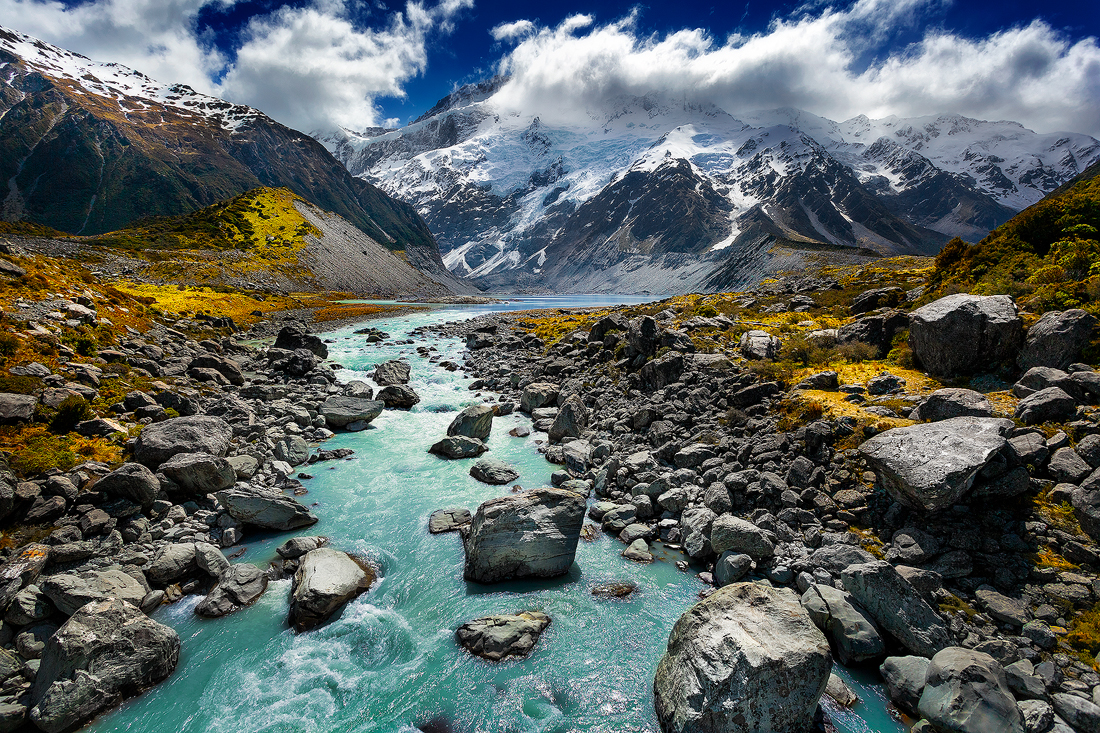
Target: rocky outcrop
[[746, 659], [966, 692], [897, 607], [107, 651], [326, 579], [963, 334], [930, 467], [269, 509], [197, 434], [498, 637], [533, 534]]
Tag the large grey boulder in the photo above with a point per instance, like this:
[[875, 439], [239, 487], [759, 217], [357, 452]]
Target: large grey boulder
[[1056, 339], [532, 534], [228, 368], [326, 579], [494, 472], [905, 678], [851, 629], [897, 606], [391, 372], [400, 396], [746, 659], [1037, 378], [293, 449], [877, 330], [16, 408], [1082, 715], [172, 562], [458, 446], [944, 404], [1086, 508], [475, 421], [196, 434], [22, 569], [571, 420], [295, 336], [341, 410], [536, 395], [695, 524], [963, 334], [966, 692], [265, 508], [733, 533], [498, 637], [237, 587], [107, 651], [759, 345], [1052, 404], [131, 481], [68, 591], [199, 474], [931, 466]]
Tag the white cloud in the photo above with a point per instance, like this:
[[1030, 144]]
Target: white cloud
[[309, 67], [1032, 74], [512, 31]]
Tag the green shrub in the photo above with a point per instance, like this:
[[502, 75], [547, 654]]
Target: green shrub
[[9, 344], [85, 346], [772, 371], [857, 351], [806, 352], [73, 409]]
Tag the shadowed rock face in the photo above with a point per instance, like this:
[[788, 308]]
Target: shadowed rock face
[[746, 659], [529, 535]]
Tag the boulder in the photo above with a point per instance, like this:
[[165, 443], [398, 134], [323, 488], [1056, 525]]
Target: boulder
[[905, 678], [759, 345], [733, 533], [533, 534], [854, 635], [22, 569], [475, 421], [269, 509], [293, 449], [876, 330], [660, 372], [228, 368], [644, 334], [1056, 339], [498, 637], [68, 592], [196, 434], [391, 372], [16, 408], [731, 567], [825, 381], [966, 692], [870, 300], [459, 447], [131, 481], [199, 474], [1086, 509], [1038, 378], [897, 607], [494, 472], [172, 562], [237, 587], [745, 659], [295, 547], [400, 396], [944, 404], [929, 467], [448, 520], [1002, 608], [108, 650], [964, 334], [295, 336], [341, 410], [571, 420], [1052, 404], [326, 579], [1082, 715], [536, 395]]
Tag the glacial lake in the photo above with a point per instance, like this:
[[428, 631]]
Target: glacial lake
[[389, 661]]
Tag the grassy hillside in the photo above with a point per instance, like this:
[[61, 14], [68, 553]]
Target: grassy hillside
[[1047, 256]]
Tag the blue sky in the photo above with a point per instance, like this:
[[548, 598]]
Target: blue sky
[[316, 64]]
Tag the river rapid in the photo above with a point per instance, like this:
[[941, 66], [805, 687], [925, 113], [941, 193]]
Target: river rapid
[[389, 661]]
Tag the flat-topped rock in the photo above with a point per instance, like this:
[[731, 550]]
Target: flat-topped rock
[[341, 410], [159, 442], [449, 520], [269, 509], [499, 637]]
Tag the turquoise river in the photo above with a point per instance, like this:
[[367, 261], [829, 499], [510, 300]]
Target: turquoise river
[[389, 661]]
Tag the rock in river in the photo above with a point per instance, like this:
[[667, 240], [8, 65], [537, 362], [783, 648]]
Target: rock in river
[[340, 411], [239, 586], [475, 421], [533, 534], [744, 660], [497, 637], [326, 579], [391, 372], [459, 446], [929, 467], [197, 434], [108, 650], [492, 471], [269, 509]]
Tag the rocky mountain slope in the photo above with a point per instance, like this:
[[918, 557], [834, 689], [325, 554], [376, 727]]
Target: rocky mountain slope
[[660, 194], [87, 148]]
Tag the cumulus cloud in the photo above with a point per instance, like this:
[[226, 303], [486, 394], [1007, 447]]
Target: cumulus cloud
[[1032, 74], [512, 31], [310, 67]]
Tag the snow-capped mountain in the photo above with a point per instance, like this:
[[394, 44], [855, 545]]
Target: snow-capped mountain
[[659, 193], [88, 147]]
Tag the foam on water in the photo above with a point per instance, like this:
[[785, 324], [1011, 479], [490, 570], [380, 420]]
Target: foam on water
[[389, 662]]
